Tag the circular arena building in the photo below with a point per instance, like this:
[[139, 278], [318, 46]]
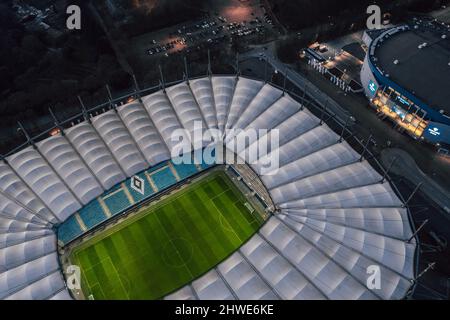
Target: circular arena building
[[332, 219], [406, 74]]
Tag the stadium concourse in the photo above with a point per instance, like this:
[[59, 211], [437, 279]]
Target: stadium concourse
[[335, 215]]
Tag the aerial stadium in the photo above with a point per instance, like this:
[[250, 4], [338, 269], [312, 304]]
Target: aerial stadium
[[101, 191], [405, 75]]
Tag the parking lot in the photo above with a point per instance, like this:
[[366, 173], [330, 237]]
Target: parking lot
[[212, 30]]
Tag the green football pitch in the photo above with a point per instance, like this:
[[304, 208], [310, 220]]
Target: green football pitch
[[168, 244]]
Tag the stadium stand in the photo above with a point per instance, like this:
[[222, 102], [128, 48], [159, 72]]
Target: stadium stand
[[335, 215], [117, 202], [186, 170], [163, 178], [69, 230], [92, 214]]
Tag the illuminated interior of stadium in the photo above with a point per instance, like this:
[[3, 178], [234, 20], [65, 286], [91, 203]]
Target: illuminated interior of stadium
[[334, 214]]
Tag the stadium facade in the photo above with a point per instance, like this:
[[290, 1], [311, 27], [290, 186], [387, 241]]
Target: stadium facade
[[405, 75], [335, 216]]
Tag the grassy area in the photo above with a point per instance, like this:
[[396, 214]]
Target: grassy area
[[174, 242]]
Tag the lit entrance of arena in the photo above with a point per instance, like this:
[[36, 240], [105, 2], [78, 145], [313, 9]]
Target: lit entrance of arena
[[400, 110]]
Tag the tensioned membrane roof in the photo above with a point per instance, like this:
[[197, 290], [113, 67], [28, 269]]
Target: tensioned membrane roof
[[336, 216]]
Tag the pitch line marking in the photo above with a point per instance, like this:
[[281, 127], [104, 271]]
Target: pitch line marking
[[95, 264], [229, 228], [118, 276], [151, 182], [80, 221], [100, 262], [105, 208], [219, 194], [83, 273], [100, 287], [251, 213], [184, 262]]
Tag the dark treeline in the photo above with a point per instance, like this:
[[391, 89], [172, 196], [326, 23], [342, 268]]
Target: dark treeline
[[299, 14], [39, 70]]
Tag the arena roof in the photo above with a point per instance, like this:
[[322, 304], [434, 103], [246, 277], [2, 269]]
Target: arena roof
[[423, 72], [335, 217]]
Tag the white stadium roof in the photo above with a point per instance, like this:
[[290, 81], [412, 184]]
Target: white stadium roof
[[336, 215]]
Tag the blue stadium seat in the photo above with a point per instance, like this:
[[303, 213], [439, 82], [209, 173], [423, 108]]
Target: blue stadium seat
[[137, 196], [117, 203], [163, 178], [69, 230], [185, 170]]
